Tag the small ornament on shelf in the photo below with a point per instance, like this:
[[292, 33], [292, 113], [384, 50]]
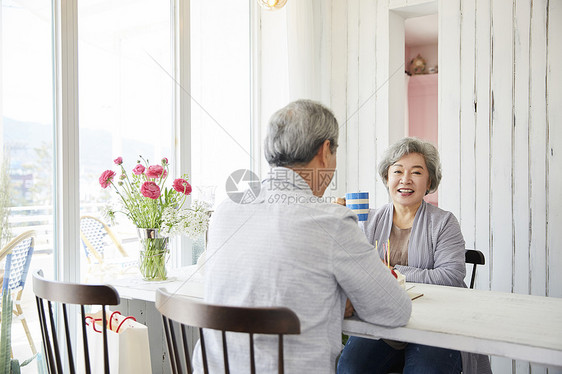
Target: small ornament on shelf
[[418, 65]]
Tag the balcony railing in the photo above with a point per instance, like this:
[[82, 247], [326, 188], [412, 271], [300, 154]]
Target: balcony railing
[[41, 219]]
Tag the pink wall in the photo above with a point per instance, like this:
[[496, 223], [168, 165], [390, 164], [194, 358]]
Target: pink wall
[[422, 106], [422, 109]]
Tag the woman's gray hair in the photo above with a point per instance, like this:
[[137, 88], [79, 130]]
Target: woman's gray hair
[[296, 132], [406, 146]]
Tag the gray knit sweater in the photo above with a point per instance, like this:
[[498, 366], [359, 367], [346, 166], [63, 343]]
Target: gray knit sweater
[[435, 255]]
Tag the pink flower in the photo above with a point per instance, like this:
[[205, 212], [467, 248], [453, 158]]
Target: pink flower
[[182, 186], [164, 161], [151, 190], [155, 171], [139, 169], [118, 160], [106, 178]]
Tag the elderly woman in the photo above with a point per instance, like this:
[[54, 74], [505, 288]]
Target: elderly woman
[[427, 246]]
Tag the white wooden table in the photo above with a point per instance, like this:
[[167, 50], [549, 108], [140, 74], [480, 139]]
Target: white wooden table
[[521, 327], [187, 281]]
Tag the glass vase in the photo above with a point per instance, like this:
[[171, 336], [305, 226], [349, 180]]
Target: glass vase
[[153, 254]]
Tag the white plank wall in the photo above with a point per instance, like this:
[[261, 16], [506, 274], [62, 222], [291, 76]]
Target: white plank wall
[[366, 111], [325, 20], [521, 130], [352, 118], [538, 148], [449, 104], [338, 93], [500, 133], [501, 155], [554, 120], [501, 232], [467, 213], [482, 138], [381, 70]]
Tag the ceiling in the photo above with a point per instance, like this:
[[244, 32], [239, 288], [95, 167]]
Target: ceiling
[[421, 30]]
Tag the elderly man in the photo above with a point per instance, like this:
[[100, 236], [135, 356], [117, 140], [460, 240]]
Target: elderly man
[[290, 248]]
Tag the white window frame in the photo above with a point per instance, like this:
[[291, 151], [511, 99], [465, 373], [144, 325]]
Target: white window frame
[[182, 103], [66, 103], [66, 171]]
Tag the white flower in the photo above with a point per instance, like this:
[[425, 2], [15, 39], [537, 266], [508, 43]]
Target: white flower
[[191, 222], [108, 213]]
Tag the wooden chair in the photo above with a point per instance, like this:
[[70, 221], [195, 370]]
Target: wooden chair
[[18, 254], [474, 257], [69, 293], [187, 312]]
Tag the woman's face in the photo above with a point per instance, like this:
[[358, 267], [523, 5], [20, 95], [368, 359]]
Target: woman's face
[[408, 179]]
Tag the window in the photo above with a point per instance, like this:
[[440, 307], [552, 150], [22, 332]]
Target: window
[[220, 90], [26, 135], [126, 103]]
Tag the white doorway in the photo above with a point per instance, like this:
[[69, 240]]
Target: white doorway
[[413, 104]]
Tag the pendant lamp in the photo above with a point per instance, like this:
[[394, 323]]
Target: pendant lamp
[[272, 4]]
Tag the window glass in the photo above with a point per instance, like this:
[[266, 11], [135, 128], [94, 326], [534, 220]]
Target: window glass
[[220, 89], [26, 135], [126, 109]]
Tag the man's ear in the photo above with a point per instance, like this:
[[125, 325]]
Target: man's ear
[[325, 153]]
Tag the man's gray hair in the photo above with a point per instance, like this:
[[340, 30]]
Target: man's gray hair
[[406, 146], [296, 132]]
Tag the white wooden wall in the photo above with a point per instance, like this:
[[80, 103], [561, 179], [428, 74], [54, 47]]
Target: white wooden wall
[[500, 127], [501, 140]]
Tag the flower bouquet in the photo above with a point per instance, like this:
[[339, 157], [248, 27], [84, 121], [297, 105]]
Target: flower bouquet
[[157, 211]]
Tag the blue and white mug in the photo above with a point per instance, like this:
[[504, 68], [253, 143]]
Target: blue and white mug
[[359, 203]]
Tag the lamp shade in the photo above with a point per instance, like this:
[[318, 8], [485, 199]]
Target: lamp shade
[[272, 4]]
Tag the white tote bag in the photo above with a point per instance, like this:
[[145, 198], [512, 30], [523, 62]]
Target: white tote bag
[[127, 342]]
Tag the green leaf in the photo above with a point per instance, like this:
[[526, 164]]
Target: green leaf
[[26, 362], [6, 332], [15, 368]]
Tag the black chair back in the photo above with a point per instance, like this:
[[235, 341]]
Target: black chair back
[[188, 312], [474, 257], [48, 294]]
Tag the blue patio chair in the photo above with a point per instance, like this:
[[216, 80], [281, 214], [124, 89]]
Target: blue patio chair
[[95, 234], [18, 258]]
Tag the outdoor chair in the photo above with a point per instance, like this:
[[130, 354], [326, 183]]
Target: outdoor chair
[[17, 254], [187, 312], [95, 234], [49, 295]]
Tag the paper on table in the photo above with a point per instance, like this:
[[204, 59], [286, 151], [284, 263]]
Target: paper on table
[[414, 295]]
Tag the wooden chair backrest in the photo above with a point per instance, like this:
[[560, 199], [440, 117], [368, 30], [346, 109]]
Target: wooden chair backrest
[[48, 293], [188, 312]]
